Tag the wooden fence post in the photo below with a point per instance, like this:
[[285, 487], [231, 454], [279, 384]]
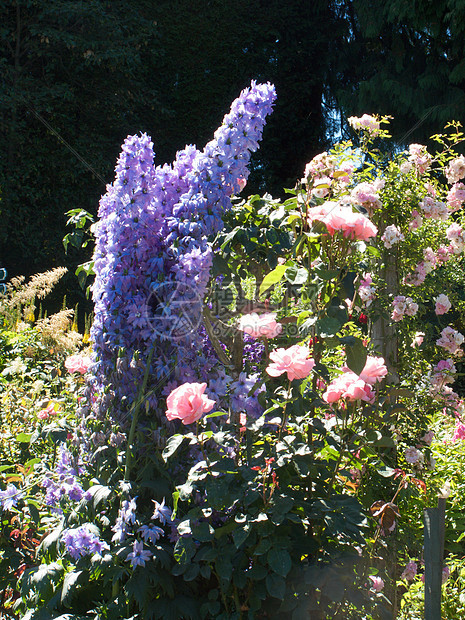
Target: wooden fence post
[[434, 519]]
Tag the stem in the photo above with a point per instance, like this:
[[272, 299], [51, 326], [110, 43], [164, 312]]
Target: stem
[[135, 415]]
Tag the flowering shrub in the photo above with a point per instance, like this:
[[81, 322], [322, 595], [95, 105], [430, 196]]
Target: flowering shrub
[[255, 434]]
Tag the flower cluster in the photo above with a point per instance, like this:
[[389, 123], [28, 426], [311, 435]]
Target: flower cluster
[[64, 482], [402, 306], [391, 236], [152, 258], [456, 196], [419, 157], [367, 123], [350, 386], [367, 195], [83, 540], [9, 497], [366, 291], [456, 236], [456, 169], [451, 340]]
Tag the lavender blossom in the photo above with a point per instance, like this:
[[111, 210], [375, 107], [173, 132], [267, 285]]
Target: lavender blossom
[[9, 497], [82, 541], [138, 556], [162, 513]]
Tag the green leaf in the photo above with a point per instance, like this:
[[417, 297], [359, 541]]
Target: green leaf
[[172, 445], [23, 437], [69, 582], [99, 494], [328, 326], [280, 561], [272, 278], [356, 356], [276, 586]]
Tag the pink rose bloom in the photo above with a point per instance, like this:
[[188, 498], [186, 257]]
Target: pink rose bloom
[[188, 403], [443, 304], [428, 438], [419, 156], [416, 220], [413, 456], [260, 326], [348, 386], [374, 370], [49, 411], [418, 339], [78, 363], [456, 196], [339, 218], [377, 584], [367, 122], [459, 432], [451, 340], [456, 169], [409, 571], [293, 361]]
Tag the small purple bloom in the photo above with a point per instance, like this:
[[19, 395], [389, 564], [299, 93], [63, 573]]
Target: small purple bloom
[[151, 533], [162, 512], [10, 497], [138, 556], [82, 541]]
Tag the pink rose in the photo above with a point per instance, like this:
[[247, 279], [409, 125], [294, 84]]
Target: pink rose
[[377, 584], [260, 326], [373, 371], [188, 403], [292, 361], [339, 218], [443, 304], [49, 411], [78, 363], [350, 386]]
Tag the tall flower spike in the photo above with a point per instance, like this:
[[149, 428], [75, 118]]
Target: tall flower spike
[[152, 258]]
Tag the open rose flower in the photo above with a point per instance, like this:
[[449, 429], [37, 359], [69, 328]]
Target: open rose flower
[[373, 371], [78, 363], [293, 361], [260, 325], [338, 218], [51, 410], [348, 386], [443, 304], [188, 403]]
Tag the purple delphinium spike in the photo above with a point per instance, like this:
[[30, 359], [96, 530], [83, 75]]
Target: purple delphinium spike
[[152, 258]]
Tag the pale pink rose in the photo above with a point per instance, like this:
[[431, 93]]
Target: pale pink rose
[[367, 122], [241, 182], [260, 325], [443, 304], [78, 363], [377, 584], [339, 218], [391, 236], [451, 340], [456, 196], [456, 169], [374, 370], [293, 361], [409, 571], [348, 386], [418, 339], [50, 410], [427, 438], [188, 403], [413, 456]]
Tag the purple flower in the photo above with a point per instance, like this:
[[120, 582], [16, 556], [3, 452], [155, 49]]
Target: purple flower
[[153, 256], [82, 541], [10, 497], [151, 533], [138, 556], [162, 513]]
